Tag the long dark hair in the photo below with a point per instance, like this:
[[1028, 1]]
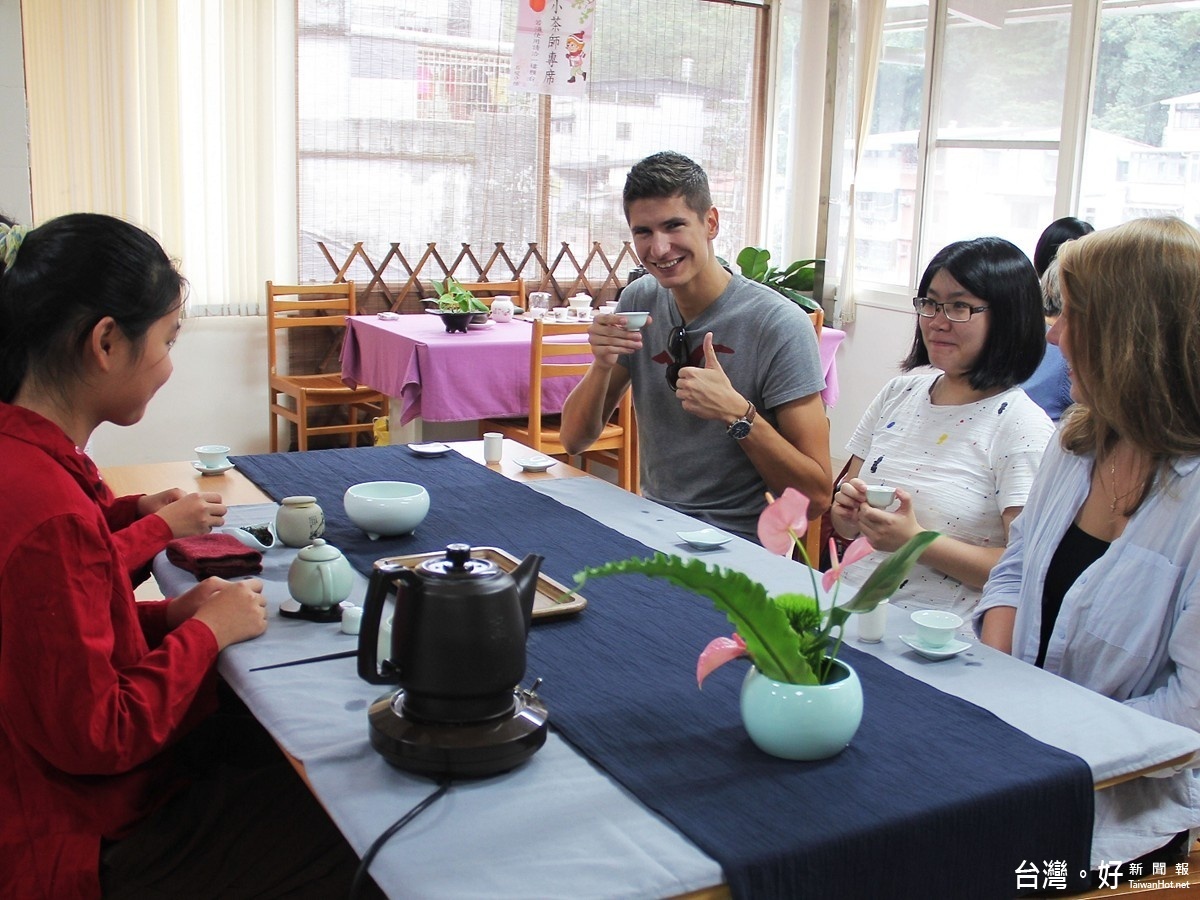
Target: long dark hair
[[999, 274], [68, 274]]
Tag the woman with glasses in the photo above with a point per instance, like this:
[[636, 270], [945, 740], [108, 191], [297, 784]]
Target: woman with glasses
[[960, 444], [1101, 579]]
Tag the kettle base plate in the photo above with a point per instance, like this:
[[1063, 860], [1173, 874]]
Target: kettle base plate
[[457, 750], [296, 610]]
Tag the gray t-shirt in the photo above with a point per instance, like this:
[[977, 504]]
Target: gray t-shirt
[[767, 347]]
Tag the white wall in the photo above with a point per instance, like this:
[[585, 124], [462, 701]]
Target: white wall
[[867, 359]]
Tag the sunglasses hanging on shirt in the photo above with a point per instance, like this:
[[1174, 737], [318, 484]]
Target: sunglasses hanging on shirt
[[677, 346]]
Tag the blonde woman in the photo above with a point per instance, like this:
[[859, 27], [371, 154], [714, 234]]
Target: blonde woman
[[1101, 579]]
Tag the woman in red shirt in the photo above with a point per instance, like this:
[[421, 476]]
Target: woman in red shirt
[[99, 695]]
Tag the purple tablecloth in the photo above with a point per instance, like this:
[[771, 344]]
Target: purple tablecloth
[[482, 374], [442, 377]]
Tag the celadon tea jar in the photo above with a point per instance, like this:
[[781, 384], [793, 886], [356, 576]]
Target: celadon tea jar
[[299, 521]]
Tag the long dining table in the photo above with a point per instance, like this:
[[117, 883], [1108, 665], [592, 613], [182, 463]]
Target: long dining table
[[579, 819], [481, 374]]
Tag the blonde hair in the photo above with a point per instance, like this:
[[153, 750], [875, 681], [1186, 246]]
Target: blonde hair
[[1132, 296]]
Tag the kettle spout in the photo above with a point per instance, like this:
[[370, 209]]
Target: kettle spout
[[526, 575]]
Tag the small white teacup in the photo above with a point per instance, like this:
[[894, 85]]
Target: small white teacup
[[935, 627], [873, 625], [608, 309], [561, 313], [880, 496], [635, 320], [213, 456]]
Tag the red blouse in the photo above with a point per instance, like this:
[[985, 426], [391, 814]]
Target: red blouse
[[92, 687]]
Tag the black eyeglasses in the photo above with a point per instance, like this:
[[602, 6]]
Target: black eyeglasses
[[677, 346], [957, 311]]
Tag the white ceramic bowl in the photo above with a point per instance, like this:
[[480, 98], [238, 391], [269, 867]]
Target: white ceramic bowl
[[386, 508], [935, 627]]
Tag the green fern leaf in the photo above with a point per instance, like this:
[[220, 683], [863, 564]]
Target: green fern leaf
[[763, 625]]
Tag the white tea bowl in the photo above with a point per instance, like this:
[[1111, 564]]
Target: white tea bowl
[[935, 627], [213, 456], [635, 320], [880, 496], [386, 508]]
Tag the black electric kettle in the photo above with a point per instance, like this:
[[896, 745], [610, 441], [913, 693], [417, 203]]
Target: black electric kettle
[[457, 652]]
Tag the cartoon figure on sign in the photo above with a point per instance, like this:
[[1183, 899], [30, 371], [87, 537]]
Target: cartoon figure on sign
[[576, 56]]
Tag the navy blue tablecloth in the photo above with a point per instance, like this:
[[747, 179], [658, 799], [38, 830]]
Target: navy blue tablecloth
[[934, 797]]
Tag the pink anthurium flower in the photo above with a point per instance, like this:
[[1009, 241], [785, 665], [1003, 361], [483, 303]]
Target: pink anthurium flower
[[859, 548], [718, 652], [783, 521]]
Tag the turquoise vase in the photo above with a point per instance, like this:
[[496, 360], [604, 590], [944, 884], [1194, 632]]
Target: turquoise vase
[[802, 721]]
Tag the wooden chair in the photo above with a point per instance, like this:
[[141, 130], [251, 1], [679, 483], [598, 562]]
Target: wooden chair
[[557, 359], [292, 307], [487, 291], [625, 463]]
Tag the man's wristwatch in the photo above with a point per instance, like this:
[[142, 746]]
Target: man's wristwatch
[[739, 428]]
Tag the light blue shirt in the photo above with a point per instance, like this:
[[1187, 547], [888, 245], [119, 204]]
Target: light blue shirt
[[1129, 627]]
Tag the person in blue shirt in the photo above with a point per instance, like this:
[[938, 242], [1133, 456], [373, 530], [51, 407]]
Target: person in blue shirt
[[1049, 387]]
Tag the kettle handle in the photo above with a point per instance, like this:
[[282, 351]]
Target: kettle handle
[[382, 576]]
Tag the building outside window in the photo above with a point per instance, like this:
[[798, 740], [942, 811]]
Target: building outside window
[[973, 117]]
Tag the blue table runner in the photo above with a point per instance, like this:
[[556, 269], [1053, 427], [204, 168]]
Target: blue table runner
[[934, 797]]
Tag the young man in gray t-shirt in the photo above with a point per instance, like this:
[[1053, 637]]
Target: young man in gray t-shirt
[[726, 375]]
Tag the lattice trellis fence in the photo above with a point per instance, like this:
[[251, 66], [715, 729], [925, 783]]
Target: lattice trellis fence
[[397, 284]]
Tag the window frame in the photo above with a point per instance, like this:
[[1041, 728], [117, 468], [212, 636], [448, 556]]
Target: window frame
[[1082, 54]]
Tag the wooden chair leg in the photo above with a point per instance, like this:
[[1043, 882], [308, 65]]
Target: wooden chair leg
[[274, 435], [302, 424]]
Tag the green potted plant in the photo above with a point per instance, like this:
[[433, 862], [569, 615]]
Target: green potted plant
[[458, 305], [790, 639], [755, 263]]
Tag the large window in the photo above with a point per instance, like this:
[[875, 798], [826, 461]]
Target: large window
[[409, 133], [972, 125], [1143, 141]]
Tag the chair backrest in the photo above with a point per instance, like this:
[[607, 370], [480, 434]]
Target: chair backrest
[[305, 306], [818, 320], [487, 291], [563, 355]]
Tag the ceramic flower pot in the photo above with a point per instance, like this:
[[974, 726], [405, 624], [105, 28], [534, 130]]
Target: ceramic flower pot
[[802, 721]]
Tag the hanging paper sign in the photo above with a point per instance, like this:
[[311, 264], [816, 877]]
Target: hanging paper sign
[[553, 50]]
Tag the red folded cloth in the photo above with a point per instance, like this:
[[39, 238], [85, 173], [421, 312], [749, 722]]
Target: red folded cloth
[[214, 554]]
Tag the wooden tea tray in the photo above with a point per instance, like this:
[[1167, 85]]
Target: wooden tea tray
[[546, 602]]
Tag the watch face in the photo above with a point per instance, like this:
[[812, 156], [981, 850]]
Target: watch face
[[739, 429]]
